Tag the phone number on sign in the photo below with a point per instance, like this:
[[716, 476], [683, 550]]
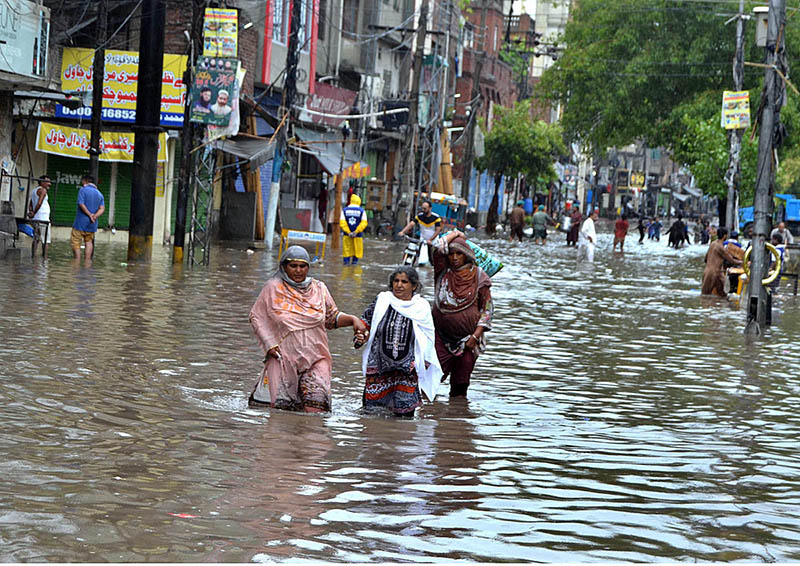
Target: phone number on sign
[[108, 113]]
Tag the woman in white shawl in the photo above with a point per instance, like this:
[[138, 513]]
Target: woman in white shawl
[[400, 358]]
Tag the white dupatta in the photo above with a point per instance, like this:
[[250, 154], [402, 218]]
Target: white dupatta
[[419, 312]]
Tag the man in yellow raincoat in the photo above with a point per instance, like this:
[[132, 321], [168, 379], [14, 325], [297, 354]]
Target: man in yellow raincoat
[[353, 223]]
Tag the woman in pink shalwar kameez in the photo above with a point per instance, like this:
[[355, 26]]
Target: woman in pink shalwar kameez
[[289, 318]]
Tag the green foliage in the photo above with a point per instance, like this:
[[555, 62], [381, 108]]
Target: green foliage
[[628, 65], [519, 144], [704, 149], [654, 70]]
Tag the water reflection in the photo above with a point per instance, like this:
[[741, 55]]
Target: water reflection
[[616, 416]]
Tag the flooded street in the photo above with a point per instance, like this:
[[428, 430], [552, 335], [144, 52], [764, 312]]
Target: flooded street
[[616, 416]]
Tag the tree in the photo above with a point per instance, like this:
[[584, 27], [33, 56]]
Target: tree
[[629, 65], [519, 144]]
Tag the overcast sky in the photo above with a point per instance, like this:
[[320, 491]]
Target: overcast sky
[[528, 7]]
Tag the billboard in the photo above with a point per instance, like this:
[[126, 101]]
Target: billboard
[[220, 32], [24, 37], [74, 142], [735, 110], [120, 85]]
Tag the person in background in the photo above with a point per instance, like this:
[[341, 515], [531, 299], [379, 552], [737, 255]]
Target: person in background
[[783, 232], [430, 225], [777, 241], [588, 238], [540, 221], [289, 318], [517, 221], [575, 226], [654, 230], [734, 247], [39, 209], [677, 233], [717, 260], [91, 206], [641, 227], [353, 223], [400, 359], [462, 310], [620, 231]]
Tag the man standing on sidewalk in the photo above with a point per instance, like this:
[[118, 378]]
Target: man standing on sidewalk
[[91, 205]]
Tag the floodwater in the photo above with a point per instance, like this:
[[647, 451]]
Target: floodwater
[[616, 416]]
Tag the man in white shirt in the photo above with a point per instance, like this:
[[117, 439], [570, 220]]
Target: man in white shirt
[[785, 235], [588, 238]]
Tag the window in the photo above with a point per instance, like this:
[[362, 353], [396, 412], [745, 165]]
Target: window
[[494, 41], [281, 18], [469, 37], [303, 33], [350, 16], [279, 21]]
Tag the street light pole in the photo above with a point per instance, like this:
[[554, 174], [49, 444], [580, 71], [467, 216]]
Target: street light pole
[[774, 89]]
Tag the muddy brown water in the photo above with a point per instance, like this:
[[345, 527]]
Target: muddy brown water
[[616, 416]]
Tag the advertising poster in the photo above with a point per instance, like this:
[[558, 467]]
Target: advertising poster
[[120, 84], [735, 109], [213, 91], [220, 29], [74, 142]]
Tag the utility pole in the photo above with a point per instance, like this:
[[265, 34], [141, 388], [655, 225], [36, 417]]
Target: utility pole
[[474, 105], [775, 90], [734, 168], [289, 95], [187, 135], [98, 75], [409, 163], [146, 130]]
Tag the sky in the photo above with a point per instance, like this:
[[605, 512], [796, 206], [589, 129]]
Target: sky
[[528, 7]]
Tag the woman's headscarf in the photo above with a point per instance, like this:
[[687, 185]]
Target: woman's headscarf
[[459, 244], [293, 253]]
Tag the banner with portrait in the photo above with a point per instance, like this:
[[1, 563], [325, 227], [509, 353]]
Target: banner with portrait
[[212, 92]]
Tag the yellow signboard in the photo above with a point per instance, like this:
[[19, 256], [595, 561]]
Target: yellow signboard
[[74, 142], [735, 109], [220, 32], [120, 85]]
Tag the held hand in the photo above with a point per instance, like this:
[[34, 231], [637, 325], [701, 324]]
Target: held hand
[[359, 326], [360, 337], [274, 352]]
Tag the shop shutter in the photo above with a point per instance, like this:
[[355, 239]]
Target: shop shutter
[[122, 204], [66, 173]]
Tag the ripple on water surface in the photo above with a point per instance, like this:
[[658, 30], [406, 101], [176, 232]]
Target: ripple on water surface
[[616, 416]]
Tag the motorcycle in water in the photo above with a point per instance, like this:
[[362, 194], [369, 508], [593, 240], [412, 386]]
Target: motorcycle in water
[[416, 252]]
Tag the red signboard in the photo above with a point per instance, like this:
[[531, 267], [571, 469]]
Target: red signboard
[[329, 100]]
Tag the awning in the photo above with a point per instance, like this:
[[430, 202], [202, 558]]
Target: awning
[[697, 193], [329, 153], [256, 151]]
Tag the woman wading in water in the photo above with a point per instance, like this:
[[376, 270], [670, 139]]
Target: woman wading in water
[[400, 357], [289, 319]]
